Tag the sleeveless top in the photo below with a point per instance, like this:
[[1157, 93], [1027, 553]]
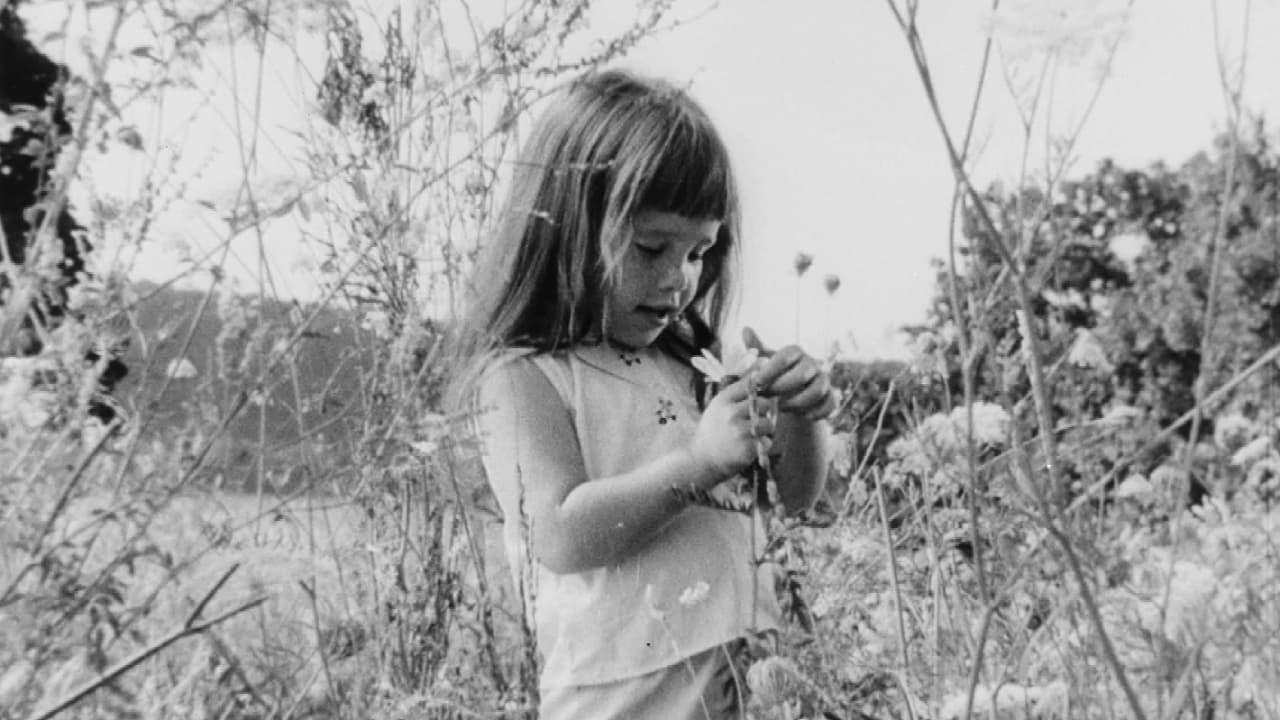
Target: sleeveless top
[[691, 587]]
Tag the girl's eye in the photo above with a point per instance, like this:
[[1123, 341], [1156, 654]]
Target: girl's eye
[[650, 251]]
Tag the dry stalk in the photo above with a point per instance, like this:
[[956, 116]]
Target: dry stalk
[[966, 358], [1231, 98], [866, 454], [190, 627], [1031, 351], [897, 592], [1022, 466], [320, 644], [482, 580]]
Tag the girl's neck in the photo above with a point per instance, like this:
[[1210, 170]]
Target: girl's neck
[[619, 345]]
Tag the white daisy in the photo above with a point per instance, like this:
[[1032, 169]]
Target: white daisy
[[737, 362]]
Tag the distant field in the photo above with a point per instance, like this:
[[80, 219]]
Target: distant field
[[318, 396]]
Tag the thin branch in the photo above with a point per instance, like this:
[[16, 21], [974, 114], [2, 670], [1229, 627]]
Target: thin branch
[[188, 628], [1021, 466], [1030, 345], [1209, 401], [892, 559]]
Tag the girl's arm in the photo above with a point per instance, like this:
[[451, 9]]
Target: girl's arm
[[536, 469], [805, 400], [802, 466]]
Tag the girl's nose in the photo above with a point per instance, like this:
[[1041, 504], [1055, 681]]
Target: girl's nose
[[675, 277]]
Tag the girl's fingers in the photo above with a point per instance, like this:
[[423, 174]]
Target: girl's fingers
[[764, 426], [824, 409], [794, 380], [776, 366], [752, 341], [738, 390], [764, 406], [813, 397]]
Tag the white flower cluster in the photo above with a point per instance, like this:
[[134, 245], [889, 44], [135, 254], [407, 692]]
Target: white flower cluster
[[1010, 701], [1231, 431], [1209, 592], [1087, 351], [936, 450], [23, 403], [941, 440], [774, 680]]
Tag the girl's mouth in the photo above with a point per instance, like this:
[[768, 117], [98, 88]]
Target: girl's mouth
[[659, 315]]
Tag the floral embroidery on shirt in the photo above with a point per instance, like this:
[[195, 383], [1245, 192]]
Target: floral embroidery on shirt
[[629, 357], [666, 411]]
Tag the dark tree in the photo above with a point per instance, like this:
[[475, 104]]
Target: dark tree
[[31, 96]]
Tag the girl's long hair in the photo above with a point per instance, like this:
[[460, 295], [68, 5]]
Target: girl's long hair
[[612, 145]]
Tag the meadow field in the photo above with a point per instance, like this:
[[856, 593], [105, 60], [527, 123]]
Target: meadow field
[[1064, 504]]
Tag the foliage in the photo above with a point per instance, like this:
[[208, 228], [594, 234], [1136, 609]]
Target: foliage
[[952, 585], [1120, 267], [287, 464], [286, 526], [43, 280]]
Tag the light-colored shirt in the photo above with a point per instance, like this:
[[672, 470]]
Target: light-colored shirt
[[690, 588]]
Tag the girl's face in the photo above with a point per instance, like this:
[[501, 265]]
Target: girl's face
[[659, 275]]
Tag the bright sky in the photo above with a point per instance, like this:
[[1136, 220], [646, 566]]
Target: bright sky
[[840, 157], [837, 153]]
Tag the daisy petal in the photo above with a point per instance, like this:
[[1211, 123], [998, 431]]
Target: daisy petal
[[708, 365]]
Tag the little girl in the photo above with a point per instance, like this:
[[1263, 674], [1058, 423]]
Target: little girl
[[611, 268]]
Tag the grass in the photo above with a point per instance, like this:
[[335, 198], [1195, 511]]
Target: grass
[[295, 531]]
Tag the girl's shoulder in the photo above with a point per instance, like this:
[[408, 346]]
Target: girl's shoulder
[[520, 369]]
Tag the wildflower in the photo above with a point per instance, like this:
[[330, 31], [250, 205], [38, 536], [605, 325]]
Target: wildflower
[[1008, 700], [802, 263], [1136, 487], [842, 459], [181, 369], [1128, 246], [1068, 299], [928, 353], [14, 680], [695, 594], [737, 362], [1120, 415], [831, 283], [990, 423], [1087, 351], [1264, 472], [425, 448], [377, 322], [22, 400], [1252, 451], [1185, 599], [773, 680], [1102, 305], [1231, 431]]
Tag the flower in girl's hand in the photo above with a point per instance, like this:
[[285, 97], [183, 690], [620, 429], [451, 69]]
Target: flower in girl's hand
[[695, 594], [737, 361]]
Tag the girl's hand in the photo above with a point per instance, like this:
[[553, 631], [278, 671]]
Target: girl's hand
[[724, 440], [798, 381]]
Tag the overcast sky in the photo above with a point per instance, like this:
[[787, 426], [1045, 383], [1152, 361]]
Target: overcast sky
[[836, 150], [840, 157]]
